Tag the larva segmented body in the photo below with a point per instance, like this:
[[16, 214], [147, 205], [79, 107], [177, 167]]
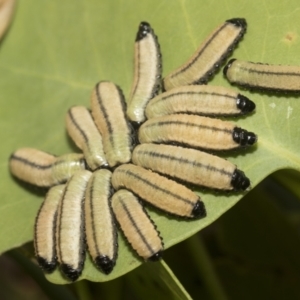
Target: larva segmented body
[[70, 237], [263, 76], [100, 226], [196, 132], [45, 227], [82, 130], [136, 225], [159, 191], [203, 100], [208, 57], [43, 169], [191, 166], [147, 72], [108, 110]]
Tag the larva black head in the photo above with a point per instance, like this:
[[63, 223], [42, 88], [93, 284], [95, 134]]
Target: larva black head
[[157, 256], [228, 65], [199, 210], [243, 137], [245, 104], [105, 263], [239, 181], [239, 22], [47, 266], [144, 29], [70, 273]]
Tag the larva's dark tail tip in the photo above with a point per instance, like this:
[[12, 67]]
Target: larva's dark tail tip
[[144, 29], [245, 104], [156, 257], [239, 181], [47, 266], [228, 65], [251, 139], [70, 273], [105, 263], [199, 210], [239, 22]]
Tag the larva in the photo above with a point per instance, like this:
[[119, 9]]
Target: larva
[[196, 132], [263, 76], [208, 57], [81, 128], [137, 226], [101, 235], [44, 229], [42, 169], [107, 103], [199, 100], [7, 8], [191, 166], [147, 72], [159, 191], [70, 244]]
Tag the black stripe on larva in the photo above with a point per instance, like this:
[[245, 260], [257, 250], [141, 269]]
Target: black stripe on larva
[[30, 163], [186, 161], [105, 114], [143, 238], [162, 123], [92, 217], [245, 104], [127, 172], [239, 181], [59, 227], [77, 126], [196, 93], [132, 133], [143, 30], [243, 137]]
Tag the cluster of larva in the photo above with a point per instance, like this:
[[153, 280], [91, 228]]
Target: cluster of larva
[[130, 154]]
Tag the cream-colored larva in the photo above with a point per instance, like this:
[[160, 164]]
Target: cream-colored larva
[[208, 56], [204, 100], [70, 237], [84, 133], [44, 229], [191, 166], [100, 228], [7, 8], [196, 132], [42, 169], [138, 228], [147, 72], [263, 76], [107, 103], [159, 191]]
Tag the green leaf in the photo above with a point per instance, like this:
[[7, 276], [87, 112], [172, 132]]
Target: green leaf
[[56, 51], [156, 281]]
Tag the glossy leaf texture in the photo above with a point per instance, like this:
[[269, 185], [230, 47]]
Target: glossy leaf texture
[[56, 51]]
